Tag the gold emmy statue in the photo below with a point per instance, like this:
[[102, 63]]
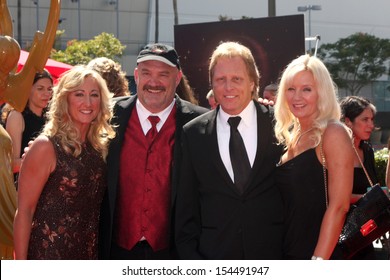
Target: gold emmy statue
[[15, 89]]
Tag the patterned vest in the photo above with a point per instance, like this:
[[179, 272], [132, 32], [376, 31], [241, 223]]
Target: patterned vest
[[143, 202]]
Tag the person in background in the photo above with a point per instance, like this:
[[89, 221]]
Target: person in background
[[63, 176], [308, 124], [185, 91], [358, 113], [270, 92], [112, 73], [26, 126], [224, 212], [211, 99], [144, 160]]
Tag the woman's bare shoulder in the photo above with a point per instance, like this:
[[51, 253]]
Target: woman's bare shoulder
[[42, 145], [14, 118], [336, 128]]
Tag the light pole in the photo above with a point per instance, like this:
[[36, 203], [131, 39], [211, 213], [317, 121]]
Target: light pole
[[309, 8], [36, 3], [271, 8]]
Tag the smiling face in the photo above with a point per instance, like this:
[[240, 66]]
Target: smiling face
[[231, 84], [302, 97], [84, 103], [156, 84]]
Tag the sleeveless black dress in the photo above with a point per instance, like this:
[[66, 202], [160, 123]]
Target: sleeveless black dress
[[360, 181], [360, 185], [33, 125], [301, 183]]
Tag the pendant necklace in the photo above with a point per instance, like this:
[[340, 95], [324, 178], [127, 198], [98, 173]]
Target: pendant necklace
[[303, 133]]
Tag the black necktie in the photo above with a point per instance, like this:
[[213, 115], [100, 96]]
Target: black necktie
[[238, 155], [152, 132]]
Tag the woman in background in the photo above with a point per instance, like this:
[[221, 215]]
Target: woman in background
[[358, 113], [26, 126], [113, 74], [63, 176]]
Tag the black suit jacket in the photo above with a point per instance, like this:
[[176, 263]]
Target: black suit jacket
[[122, 111], [213, 221]]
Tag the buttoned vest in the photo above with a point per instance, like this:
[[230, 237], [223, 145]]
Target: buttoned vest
[[143, 201]]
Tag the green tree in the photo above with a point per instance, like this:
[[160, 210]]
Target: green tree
[[81, 52], [357, 60], [224, 18]]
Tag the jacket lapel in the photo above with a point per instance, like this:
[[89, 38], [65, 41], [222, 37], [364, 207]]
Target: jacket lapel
[[210, 125], [264, 134], [122, 115], [264, 138]]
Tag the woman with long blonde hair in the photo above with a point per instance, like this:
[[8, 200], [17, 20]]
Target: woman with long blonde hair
[[316, 199], [63, 176]]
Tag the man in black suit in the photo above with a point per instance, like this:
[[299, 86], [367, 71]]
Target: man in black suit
[[143, 161], [221, 213]]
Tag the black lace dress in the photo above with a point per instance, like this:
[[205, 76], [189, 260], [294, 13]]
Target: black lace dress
[[65, 223]]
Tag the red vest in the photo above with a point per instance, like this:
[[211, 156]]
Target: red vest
[[143, 201]]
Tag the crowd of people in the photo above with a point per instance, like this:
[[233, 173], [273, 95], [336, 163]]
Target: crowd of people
[[153, 175]]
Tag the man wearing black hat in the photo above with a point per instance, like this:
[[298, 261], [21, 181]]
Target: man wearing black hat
[[143, 161]]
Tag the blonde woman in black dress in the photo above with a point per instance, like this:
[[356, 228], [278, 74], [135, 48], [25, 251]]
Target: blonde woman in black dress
[[307, 124]]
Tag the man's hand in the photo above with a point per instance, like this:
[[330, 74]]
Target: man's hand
[[265, 102], [25, 150]]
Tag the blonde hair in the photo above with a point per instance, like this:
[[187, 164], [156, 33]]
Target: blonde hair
[[328, 109], [60, 123], [234, 49]]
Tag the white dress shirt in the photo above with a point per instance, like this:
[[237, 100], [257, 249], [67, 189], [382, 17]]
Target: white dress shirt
[[144, 113], [247, 129]]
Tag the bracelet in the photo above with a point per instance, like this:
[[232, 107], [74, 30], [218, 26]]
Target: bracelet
[[315, 258]]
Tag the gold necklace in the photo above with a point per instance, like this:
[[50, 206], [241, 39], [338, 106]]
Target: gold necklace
[[303, 133]]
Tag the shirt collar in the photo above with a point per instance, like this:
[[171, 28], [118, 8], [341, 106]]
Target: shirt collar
[[144, 113], [246, 114]]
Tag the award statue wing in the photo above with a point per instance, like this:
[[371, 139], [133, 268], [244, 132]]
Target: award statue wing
[[15, 88]]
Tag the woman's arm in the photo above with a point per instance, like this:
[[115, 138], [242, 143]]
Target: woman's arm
[[35, 170], [15, 128], [337, 148]]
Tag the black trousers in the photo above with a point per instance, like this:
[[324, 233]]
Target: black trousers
[[141, 251]]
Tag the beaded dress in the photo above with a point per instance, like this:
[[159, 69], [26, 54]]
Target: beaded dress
[[66, 220]]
